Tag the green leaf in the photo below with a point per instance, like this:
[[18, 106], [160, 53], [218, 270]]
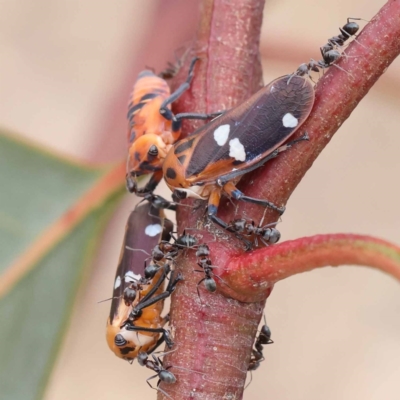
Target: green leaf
[[52, 212]]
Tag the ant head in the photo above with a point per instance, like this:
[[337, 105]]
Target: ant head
[[157, 254], [142, 358], [129, 295]]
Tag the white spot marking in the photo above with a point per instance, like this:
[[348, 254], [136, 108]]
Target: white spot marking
[[117, 282], [153, 230], [289, 121], [272, 89], [131, 277], [221, 134], [236, 150]]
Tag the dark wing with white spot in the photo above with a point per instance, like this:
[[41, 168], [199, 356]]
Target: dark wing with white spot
[[144, 218], [256, 128]]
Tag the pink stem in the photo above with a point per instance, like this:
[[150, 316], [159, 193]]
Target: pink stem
[[214, 334], [250, 276]]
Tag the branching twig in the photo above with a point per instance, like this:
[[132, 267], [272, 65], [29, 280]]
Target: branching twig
[[215, 333]]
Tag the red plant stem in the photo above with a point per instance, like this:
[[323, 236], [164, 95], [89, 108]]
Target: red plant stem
[[272, 264], [214, 336]]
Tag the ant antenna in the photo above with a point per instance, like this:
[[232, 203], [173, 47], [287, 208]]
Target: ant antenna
[[132, 249], [111, 298]]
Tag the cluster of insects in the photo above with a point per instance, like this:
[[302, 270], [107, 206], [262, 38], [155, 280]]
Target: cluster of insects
[[135, 323], [206, 164], [331, 51]]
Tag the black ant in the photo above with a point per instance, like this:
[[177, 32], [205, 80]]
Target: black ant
[[167, 252], [149, 300], [162, 372], [158, 367], [257, 356], [329, 51], [203, 259], [266, 234], [204, 262], [346, 32]]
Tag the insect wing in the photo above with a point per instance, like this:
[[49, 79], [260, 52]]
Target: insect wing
[[145, 228], [248, 133]]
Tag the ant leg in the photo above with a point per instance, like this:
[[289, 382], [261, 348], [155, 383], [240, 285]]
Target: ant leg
[[148, 379], [157, 388], [164, 353], [357, 19], [251, 379], [197, 288], [342, 69]]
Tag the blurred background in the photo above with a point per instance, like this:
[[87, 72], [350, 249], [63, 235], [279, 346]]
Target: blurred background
[[66, 72]]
